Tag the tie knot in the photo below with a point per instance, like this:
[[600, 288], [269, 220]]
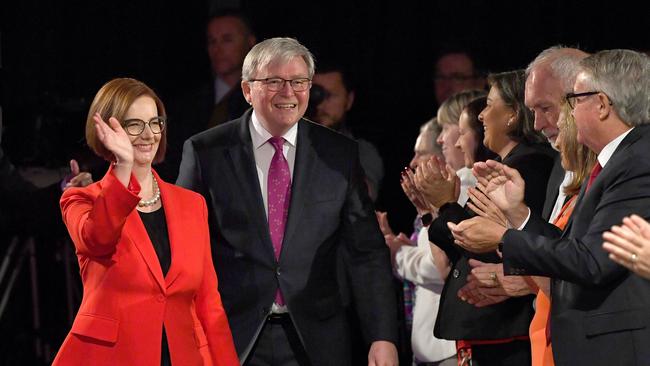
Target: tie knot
[[277, 142], [596, 170]]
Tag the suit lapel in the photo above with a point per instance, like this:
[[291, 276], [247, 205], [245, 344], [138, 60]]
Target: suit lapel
[[134, 229], [615, 161], [302, 172], [553, 187], [242, 163], [177, 230]]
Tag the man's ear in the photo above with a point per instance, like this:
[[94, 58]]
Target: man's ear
[[246, 89], [605, 106], [350, 101]]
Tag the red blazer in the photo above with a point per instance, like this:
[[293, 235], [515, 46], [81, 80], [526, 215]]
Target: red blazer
[[126, 300]]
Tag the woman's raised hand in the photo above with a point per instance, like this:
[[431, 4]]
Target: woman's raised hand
[[115, 139]]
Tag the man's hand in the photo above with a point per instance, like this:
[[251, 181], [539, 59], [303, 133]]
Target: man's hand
[[472, 294], [382, 353], [488, 280], [78, 179], [478, 234], [505, 187]]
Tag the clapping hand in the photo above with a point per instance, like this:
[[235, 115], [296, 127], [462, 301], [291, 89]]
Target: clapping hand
[[407, 182], [629, 245], [505, 188], [487, 283], [478, 234], [394, 242], [484, 207], [437, 182]]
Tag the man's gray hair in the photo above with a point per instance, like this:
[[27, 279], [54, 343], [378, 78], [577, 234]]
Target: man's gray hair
[[562, 62], [272, 51], [624, 76]]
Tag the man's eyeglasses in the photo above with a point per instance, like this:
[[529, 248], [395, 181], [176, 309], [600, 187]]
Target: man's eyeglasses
[[571, 98], [276, 84], [135, 126]]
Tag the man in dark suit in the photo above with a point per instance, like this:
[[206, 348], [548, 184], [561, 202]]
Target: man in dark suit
[[229, 37], [600, 310], [285, 195]]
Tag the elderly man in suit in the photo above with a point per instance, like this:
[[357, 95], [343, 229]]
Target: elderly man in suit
[[600, 310], [285, 195]]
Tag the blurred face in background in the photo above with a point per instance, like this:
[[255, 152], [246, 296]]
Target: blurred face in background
[[332, 110], [228, 42], [454, 73]]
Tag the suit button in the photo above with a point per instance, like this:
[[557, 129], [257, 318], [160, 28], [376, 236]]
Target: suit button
[[278, 271], [160, 298], [456, 273]]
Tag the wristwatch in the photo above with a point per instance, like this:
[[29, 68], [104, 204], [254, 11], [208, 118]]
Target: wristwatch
[[427, 219]]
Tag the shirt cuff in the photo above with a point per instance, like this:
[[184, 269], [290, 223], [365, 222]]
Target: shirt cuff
[[523, 225]]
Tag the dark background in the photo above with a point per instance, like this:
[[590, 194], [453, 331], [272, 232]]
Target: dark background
[[56, 54]]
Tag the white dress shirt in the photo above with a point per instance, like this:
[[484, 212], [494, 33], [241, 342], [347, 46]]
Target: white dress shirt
[[263, 152], [221, 89], [603, 158]]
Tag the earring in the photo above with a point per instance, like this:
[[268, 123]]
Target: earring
[[508, 124]]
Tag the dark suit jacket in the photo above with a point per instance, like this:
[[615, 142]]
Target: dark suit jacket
[[329, 208], [458, 319], [553, 187], [600, 310], [192, 114]]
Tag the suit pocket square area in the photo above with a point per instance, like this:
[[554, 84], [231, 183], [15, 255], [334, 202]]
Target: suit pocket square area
[[97, 327], [603, 323]]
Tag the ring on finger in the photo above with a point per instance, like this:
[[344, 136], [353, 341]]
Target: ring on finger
[[633, 258]]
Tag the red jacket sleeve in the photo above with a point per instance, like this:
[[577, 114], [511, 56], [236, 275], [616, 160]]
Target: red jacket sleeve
[[95, 215]]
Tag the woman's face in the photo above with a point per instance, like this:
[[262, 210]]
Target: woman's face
[[467, 139], [146, 144], [495, 118], [447, 139]]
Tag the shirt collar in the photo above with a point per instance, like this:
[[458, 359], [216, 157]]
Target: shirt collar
[[609, 149], [260, 135]]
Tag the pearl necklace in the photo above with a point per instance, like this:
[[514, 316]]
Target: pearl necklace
[[156, 195]]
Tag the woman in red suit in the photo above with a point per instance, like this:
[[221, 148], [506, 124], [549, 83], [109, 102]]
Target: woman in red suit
[[150, 289]]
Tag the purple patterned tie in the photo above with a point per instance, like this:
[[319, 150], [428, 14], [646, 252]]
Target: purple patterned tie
[[279, 195]]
